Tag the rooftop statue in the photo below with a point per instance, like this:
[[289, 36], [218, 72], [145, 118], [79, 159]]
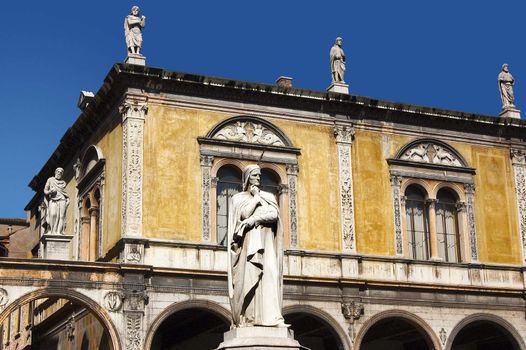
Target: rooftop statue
[[133, 25], [255, 258], [337, 61], [506, 82], [57, 201]]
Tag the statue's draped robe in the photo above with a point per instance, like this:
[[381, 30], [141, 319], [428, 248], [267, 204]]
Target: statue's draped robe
[[506, 89], [337, 64], [132, 31], [255, 265], [56, 203]]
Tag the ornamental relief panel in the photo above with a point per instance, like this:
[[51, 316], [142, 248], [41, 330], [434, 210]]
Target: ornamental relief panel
[[428, 152], [250, 132]]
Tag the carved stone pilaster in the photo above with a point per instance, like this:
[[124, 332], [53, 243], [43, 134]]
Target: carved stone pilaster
[[134, 306], [352, 312], [397, 210], [206, 187], [469, 190], [344, 135], [292, 179], [518, 160], [133, 116]]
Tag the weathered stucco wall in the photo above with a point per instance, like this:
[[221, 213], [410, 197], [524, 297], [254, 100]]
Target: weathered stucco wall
[[111, 147]]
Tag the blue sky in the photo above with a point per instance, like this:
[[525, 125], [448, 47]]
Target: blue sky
[[443, 54]]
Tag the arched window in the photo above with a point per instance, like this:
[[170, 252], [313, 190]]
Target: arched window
[[228, 184], [3, 251], [417, 221], [270, 182], [447, 226]]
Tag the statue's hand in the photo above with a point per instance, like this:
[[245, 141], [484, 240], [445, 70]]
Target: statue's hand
[[249, 222], [254, 190]]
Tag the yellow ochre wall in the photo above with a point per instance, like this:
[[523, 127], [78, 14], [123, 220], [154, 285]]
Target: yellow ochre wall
[[172, 185], [111, 146]]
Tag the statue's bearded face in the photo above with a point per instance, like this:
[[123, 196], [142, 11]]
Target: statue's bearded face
[[135, 11], [59, 173], [255, 177]]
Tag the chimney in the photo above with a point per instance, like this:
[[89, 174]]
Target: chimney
[[284, 82], [84, 99]]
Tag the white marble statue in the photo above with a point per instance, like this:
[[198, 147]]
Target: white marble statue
[[57, 201], [133, 25], [255, 255], [506, 82], [337, 61]]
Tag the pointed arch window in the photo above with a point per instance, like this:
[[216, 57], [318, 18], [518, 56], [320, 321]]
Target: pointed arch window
[[447, 226], [417, 220]]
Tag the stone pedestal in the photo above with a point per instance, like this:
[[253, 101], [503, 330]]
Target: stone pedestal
[[340, 88], [260, 338], [511, 113], [56, 247], [135, 58]]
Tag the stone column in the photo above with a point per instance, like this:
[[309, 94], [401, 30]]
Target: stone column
[[134, 307], [292, 179], [518, 161], [397, 210], [133, 118], [93, 235], [206, 187], [469, 190], [344, 135], [433, 240]]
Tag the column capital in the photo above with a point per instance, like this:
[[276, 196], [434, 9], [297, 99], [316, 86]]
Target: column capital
[[469, 188], [206, 160], [518, 156], [344, 133], [133, 108], [292, 169]]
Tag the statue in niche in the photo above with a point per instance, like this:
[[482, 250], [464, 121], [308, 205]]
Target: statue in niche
[[255, 255], [56, 202], [506, 82], [337, 61], [133, 25]]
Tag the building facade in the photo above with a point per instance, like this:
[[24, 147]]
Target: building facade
[[404, 226]]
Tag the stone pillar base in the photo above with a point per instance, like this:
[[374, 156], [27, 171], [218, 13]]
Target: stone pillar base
[[340, 88], [511, 113], [56, 247], [135, 58], [260, 338]]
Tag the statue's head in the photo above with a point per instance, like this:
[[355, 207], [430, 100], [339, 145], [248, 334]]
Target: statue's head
[[505, 67], [58, 173], [339, 41], [135, 10], [251, 176]]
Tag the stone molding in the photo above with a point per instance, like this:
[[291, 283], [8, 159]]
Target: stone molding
[[397, 210], [206, 186], [344, 136], [518, 160], [133, 117], [292, 180]]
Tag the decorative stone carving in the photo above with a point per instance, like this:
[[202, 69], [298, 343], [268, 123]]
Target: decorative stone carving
[[395, 188], [431, 153], [77, 168], [56, 203], [136, 300], [134, 305], [443, 336], [4, 298], [469, 190], [70, 328], [133, 253], [206, 186], [352, 311], [506, 83], [113, 301], [292, 179], [133, 115], [248, 131], [337, 58], [133, 331], [518, 159], [344, 135]]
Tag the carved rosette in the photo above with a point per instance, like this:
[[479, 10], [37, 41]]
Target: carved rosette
[[469, 190], [518, 160], [344, 135], [133, 116], [292, 179], [395, 188], [206, 185]]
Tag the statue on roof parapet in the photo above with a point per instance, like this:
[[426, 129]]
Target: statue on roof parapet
[[506, 83], [133, 24], [337, 61]]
